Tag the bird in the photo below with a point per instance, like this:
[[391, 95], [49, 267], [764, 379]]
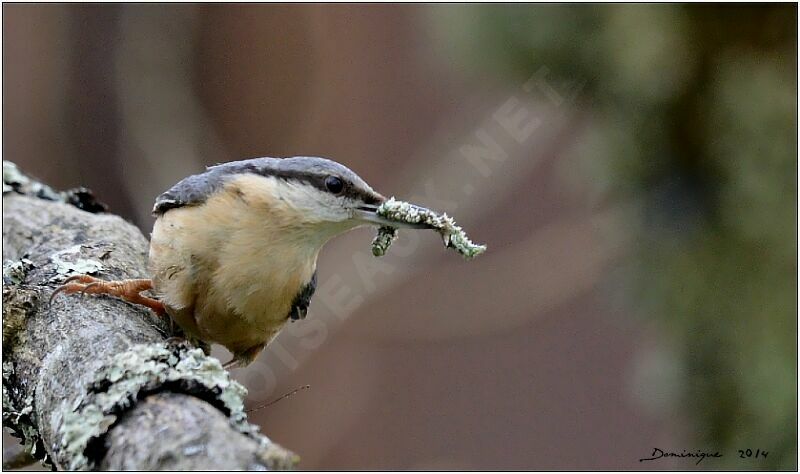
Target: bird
[[233, 251]]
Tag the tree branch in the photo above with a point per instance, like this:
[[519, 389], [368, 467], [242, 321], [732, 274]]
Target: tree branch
[[91, 382]]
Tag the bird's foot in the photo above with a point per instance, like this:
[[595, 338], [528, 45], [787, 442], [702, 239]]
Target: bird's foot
[[128, 290]]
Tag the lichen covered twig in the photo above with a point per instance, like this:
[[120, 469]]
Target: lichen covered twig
[[453, 236], [91, 383], [144, 369], [383, 240], [15, 180]]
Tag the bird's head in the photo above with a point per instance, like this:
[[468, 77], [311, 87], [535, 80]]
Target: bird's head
[[313, 197]]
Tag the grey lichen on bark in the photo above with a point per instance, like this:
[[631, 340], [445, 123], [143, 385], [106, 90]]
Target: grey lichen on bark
[[91, 382]]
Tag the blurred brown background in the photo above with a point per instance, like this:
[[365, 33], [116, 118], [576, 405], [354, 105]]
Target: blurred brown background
[[631, 167]]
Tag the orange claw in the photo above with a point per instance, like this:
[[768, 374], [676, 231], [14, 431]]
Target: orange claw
[[128, 290]]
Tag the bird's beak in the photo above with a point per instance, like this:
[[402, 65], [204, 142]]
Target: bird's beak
[[366, 213]]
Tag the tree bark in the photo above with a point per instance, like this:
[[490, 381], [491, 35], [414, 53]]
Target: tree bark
[[91, 382]]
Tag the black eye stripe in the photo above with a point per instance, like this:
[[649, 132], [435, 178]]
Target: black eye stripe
[[318, 181]]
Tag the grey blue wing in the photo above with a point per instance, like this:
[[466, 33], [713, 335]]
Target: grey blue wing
[[303, 300], [190, 191], [197, 188]]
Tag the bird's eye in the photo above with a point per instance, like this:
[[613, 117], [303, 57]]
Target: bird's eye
[[334, 184]]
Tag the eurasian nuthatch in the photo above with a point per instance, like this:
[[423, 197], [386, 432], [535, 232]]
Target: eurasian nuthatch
[[233, 252]]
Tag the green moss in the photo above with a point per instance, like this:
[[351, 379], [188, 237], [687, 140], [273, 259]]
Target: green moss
[[453, 236], [144, 369]]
